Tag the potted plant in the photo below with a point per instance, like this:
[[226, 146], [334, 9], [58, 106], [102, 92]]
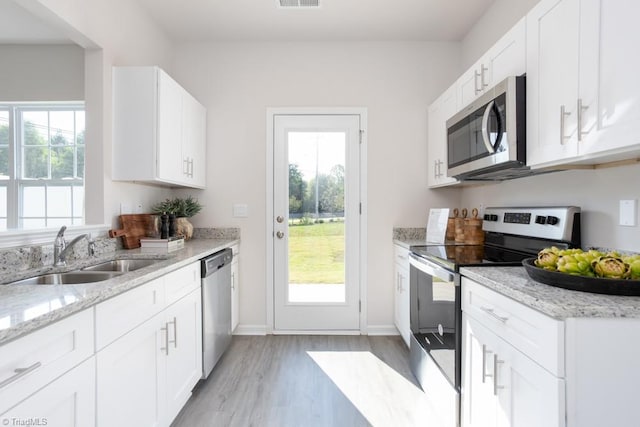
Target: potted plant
[[181, 209]]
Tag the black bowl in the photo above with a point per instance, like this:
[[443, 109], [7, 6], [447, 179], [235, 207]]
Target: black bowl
[[595, 285]]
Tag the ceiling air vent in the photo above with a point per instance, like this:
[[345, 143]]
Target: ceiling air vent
[[299, 3]]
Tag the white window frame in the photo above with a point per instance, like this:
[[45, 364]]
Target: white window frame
[[15, 182]]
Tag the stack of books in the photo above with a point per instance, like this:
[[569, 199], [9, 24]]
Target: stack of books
[[148, 244]]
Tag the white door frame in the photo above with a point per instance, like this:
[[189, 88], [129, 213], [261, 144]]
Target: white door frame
[[271, 113]]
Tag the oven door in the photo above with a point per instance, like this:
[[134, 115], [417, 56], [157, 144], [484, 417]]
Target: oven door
[[435, 315]]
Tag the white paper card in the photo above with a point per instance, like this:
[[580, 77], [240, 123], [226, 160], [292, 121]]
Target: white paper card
[[437, 225]]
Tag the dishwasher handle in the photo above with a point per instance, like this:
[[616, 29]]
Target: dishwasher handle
[[215, 262]]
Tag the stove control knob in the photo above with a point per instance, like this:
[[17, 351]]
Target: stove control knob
[[552, 220], [541, 219]]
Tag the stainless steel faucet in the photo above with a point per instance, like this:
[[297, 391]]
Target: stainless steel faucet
[[60, 247]]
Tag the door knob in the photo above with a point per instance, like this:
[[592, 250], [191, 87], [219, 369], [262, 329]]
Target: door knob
[[280, 234], [279, 218]]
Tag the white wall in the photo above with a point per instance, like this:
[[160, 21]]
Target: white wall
[[598, 192], [41, 73], [500, 17], [114, 32], [237, 82]]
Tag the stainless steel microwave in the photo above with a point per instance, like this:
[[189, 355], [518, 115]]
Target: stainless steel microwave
[[487, 139]]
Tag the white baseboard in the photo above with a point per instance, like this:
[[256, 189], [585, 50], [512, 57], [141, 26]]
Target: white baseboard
[[250, 330], [382, 330], [376, 330]]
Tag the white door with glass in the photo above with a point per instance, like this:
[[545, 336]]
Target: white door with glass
[[316, 222]]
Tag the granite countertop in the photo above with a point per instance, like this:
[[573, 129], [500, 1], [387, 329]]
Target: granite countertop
[[25, 308], [515, 283]]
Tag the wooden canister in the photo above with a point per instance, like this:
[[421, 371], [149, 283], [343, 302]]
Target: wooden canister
[[459, 228], [473, 233]]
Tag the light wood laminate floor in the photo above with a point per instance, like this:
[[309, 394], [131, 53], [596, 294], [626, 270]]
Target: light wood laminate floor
[[310, 381]]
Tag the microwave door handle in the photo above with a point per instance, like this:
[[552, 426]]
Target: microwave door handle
[[485, 128]]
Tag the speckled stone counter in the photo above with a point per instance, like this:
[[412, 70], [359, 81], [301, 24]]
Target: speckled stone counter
[[515, 283], [25, 308], [407, 237]]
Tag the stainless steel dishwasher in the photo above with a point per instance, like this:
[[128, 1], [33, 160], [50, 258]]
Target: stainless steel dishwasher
[[216, 308]]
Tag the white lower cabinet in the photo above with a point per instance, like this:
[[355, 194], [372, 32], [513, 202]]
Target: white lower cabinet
[[235, 289], [146, 376], [401, 294], [68, 401], [503, 387], [130, 376], [523, 368], [184, 359]]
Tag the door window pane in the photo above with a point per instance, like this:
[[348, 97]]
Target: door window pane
[[316, 216]]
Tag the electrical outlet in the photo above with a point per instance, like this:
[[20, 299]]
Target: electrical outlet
[[628, 212]]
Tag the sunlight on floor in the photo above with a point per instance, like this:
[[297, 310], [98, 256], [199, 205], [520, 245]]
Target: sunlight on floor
[[385, 398]]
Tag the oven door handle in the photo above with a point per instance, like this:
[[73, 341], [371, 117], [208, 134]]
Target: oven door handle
[[430, 268], [486, 137]]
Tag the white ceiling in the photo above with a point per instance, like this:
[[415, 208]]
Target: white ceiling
[[335, 20], [18, 26]]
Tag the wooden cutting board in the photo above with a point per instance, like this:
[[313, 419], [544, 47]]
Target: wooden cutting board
[[134, 227]]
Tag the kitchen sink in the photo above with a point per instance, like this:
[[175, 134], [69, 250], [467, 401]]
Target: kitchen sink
[[70, 278], [122, 265]]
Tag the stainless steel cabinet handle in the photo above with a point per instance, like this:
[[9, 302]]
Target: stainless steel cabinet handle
[[19, 373], [484, 363], [493, 314], [280, 218], [496, 387], [435, 169], [166, 339], [191, 169], [233, 281], [482, 83], [475, 82], [279, 234], [581, 108], [563, 115], [175, 333], [185, 166]]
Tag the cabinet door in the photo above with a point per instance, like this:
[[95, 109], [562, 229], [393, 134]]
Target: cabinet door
[[508, 56], [503, 387], [130, 377], [609, 89], [169, 136], [552, 81], [471, 84], [68, 401], [403, 304], [441, 110], [478, 401], [184, 360], [235, 294], [194, 118]]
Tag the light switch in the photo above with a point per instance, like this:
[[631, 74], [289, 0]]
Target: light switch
[[240, 210], [628, 212]]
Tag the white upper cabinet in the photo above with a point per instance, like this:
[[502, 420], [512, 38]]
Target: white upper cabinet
[[441, 109], [505, 58], [583, 102], [159, 133]]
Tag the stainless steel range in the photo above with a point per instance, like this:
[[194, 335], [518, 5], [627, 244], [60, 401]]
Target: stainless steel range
[[511, 235]]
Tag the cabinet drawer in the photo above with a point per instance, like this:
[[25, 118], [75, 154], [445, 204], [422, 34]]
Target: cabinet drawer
[[42, 356], [180, 282], [538, 336], [401, 255], [117, 316]]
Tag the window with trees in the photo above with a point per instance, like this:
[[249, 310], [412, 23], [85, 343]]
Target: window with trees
[[42, 151]]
